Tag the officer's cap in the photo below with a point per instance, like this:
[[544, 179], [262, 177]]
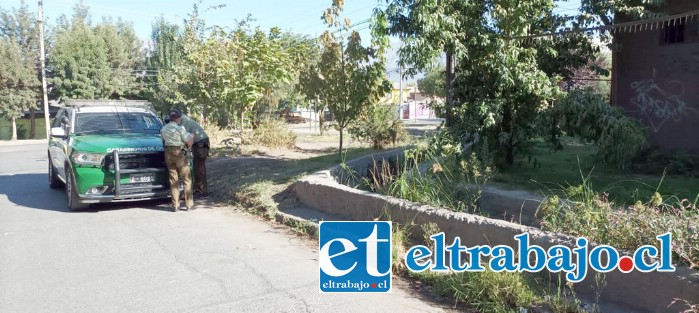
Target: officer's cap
[[175, 114]]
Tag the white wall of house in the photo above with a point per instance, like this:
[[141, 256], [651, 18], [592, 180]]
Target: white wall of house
[[416, 110]]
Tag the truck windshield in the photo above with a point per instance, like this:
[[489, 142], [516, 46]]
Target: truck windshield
[[123, 122]]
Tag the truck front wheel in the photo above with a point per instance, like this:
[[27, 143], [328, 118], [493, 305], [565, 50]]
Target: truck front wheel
[[74, 203], [54, 182]]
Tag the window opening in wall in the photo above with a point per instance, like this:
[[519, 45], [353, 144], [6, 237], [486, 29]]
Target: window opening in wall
[[673, 34]]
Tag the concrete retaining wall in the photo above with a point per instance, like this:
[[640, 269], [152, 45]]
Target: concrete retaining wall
[[649, 292], [509, 205]]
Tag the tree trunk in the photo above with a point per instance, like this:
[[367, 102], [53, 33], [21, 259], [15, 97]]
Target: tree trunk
[[508, 149], [32, 124], [320, 123], [242, 116], [341, 133], [14, 129]]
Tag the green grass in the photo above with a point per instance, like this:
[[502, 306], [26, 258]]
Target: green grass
[[548, 171], [488, 291], [263, 185], [23, 123]]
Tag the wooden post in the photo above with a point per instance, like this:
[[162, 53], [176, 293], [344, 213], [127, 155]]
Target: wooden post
[[43, 71]]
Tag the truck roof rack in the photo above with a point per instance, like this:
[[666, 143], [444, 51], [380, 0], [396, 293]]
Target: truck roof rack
[[84, 103]]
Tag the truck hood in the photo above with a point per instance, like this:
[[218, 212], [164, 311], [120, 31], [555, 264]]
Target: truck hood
[[120, 142]]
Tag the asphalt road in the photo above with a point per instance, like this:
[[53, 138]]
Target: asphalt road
[[140, 257]]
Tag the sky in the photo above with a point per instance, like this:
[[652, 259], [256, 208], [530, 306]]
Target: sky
[[299, 16]]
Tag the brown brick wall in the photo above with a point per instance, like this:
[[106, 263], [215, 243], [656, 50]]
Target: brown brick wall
[[658, 82]]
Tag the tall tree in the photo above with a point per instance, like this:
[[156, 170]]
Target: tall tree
[[19, 26], [427, 29], [500, 82], [505, 77], [351, 75], [94, 62], [125, 57], [432, 85], [312, 87], [230, 71], [309, 83], [18, 83], [302, 52], [262, 63], [205, 78], [165, 55], [192, 78]]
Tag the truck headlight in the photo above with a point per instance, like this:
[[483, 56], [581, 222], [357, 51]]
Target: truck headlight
[[88, 158]]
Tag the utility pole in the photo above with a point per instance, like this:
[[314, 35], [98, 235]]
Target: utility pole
[[400, 79], [43, 70], [449, 84], [400, 86]]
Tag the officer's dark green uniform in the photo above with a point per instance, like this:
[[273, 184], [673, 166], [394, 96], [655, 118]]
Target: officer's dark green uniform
[[200, 151], [176, 138]]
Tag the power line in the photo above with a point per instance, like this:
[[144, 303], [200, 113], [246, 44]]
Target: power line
[[305, 17], [346, 14], [357, 24]]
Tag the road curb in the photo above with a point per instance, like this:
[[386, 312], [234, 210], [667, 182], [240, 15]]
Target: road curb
[[298, 224]]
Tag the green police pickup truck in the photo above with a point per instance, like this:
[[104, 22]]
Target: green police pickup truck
[[107, 151]]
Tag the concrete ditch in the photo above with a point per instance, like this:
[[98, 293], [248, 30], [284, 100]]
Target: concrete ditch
[[646, 292]]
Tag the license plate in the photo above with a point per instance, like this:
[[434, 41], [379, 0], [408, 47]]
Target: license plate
[[142, 178]]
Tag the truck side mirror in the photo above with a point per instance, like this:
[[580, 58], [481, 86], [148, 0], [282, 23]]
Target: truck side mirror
[[58, 132], [64, 120]]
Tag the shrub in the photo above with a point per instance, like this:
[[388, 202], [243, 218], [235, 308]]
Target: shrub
[[586, 114], [438, 174], [380, 126], [584, 212], [274, 134], [652, 161]]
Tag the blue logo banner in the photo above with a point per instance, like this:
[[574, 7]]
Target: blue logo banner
[[355, 256]]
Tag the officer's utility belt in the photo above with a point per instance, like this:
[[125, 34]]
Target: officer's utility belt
[[175, 150], [204, 143]]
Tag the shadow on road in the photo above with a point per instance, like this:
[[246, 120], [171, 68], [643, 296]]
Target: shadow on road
[[32, 191]]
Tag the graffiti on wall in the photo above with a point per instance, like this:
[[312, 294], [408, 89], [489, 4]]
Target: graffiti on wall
[[658, 105]]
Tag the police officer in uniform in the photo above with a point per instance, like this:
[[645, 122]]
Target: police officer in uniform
[[176, 140], [200, 151]]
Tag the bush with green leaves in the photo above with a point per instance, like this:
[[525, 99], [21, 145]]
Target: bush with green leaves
[[587, 115], [652, 161], [379, 125], [273, 133]]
